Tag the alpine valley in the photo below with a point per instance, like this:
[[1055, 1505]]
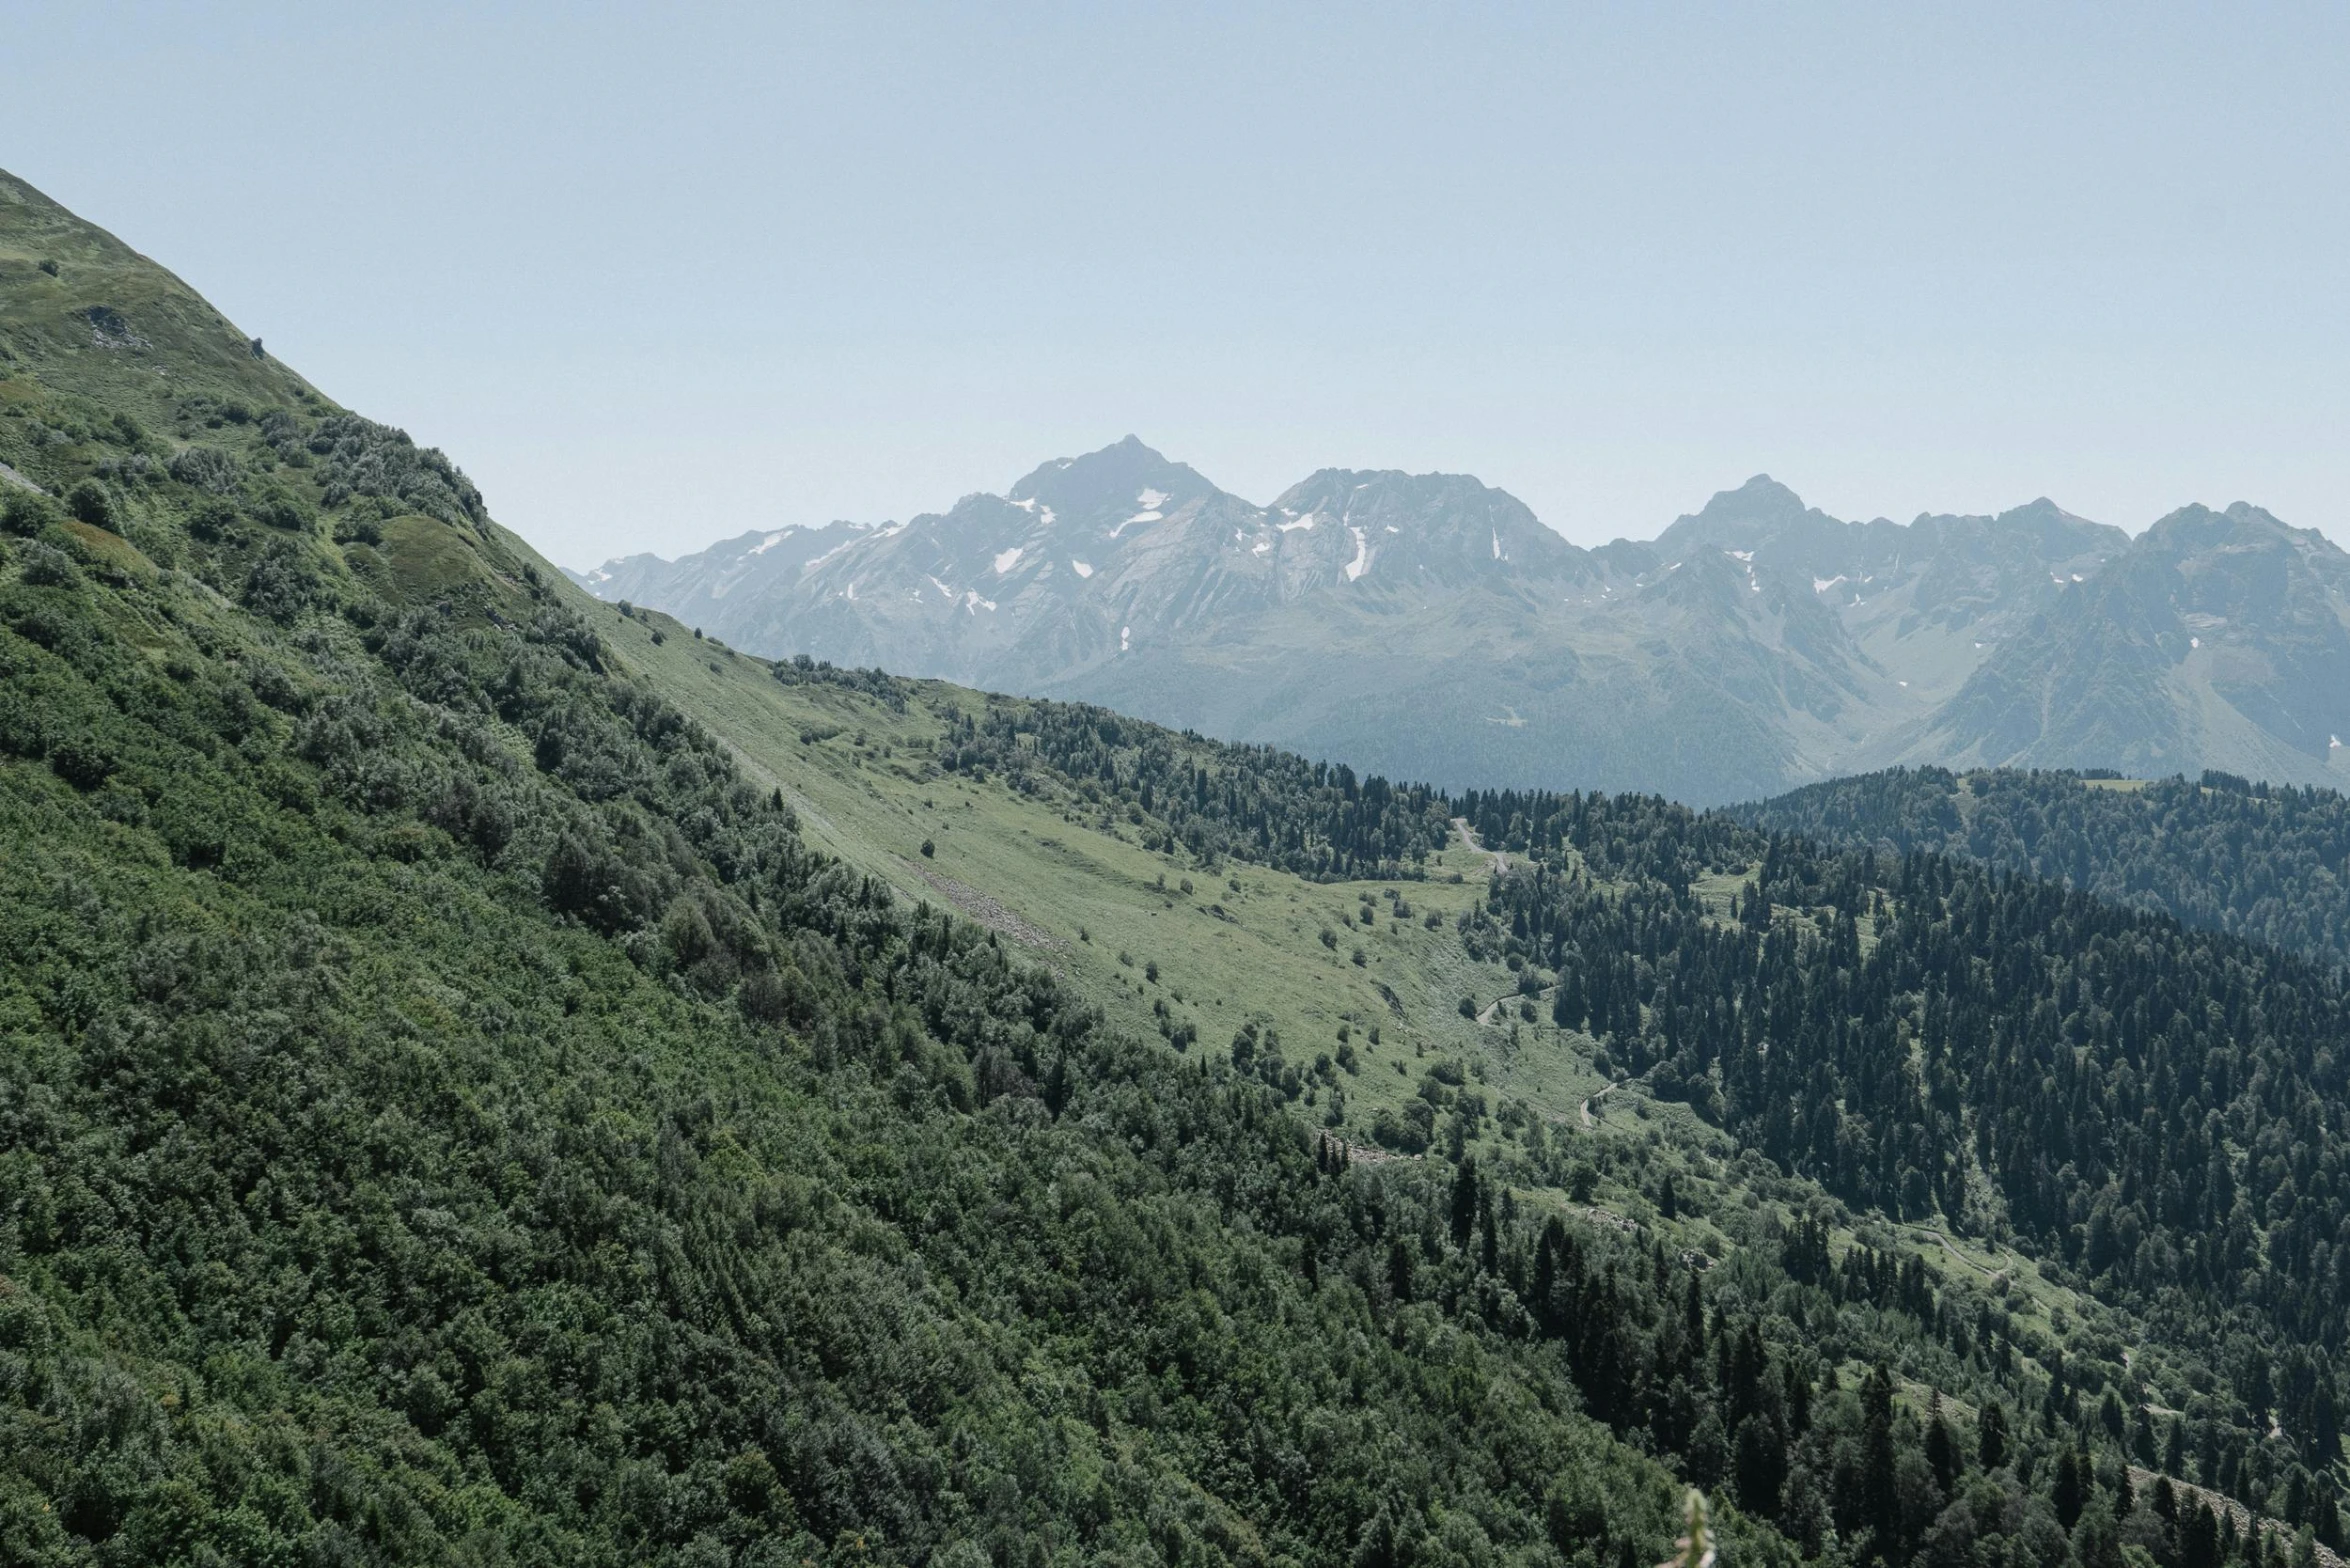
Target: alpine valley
[[489, 1077], [1430, 626]]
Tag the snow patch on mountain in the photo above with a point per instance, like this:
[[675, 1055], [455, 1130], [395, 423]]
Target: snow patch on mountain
[[813, 562], [1007, 559]]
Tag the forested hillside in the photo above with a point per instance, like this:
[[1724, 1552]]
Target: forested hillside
[[2269, 862], [2157, 1113], [450, 1112], [1255, 803], [450, 1116]]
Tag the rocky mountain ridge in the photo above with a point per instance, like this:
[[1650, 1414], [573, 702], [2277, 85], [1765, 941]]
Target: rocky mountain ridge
[[1432, 626]]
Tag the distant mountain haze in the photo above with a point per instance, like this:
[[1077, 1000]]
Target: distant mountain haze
[[1430, 626]]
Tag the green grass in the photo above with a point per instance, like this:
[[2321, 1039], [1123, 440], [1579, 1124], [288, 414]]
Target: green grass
[[1096, 894]]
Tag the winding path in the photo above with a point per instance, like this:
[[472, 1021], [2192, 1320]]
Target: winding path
[[1951, 1248], [1501, 862]]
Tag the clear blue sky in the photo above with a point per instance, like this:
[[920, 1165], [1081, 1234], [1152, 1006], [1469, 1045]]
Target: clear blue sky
[[656, 275]]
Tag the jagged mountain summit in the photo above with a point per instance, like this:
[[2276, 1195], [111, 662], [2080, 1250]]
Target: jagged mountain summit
[[1432, 626]]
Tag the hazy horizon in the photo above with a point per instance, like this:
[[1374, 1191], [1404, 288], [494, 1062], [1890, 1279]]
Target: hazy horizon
[[657, 279]]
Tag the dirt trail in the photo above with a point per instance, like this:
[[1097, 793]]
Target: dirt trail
[[1501, 862], [1590, 1121], [1949, 1247]]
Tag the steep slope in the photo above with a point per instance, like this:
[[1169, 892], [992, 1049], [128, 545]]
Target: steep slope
[[745, 568], [1027, 827], [1918, 605], [453, 1115], [2218, 639]]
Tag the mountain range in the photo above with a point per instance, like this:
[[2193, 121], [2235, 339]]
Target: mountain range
[[1431, 626]]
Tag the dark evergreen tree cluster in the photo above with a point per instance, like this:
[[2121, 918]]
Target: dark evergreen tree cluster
[[1643, 836], [1215, 799], [2158, 1110], [2268, 862]]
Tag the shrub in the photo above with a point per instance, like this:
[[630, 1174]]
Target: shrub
[[274, 504], [82, 762], [587, 882], [45, 567], [358, 457], [282, 584], [91, 502], [213, 521], [208, 468], [27, 512]]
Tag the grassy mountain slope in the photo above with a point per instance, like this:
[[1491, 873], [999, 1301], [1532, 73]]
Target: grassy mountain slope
[[1077, 893]]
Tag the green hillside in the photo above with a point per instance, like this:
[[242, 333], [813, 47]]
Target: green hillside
[[490, 1077], [455, 1114], [1241, 945]]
